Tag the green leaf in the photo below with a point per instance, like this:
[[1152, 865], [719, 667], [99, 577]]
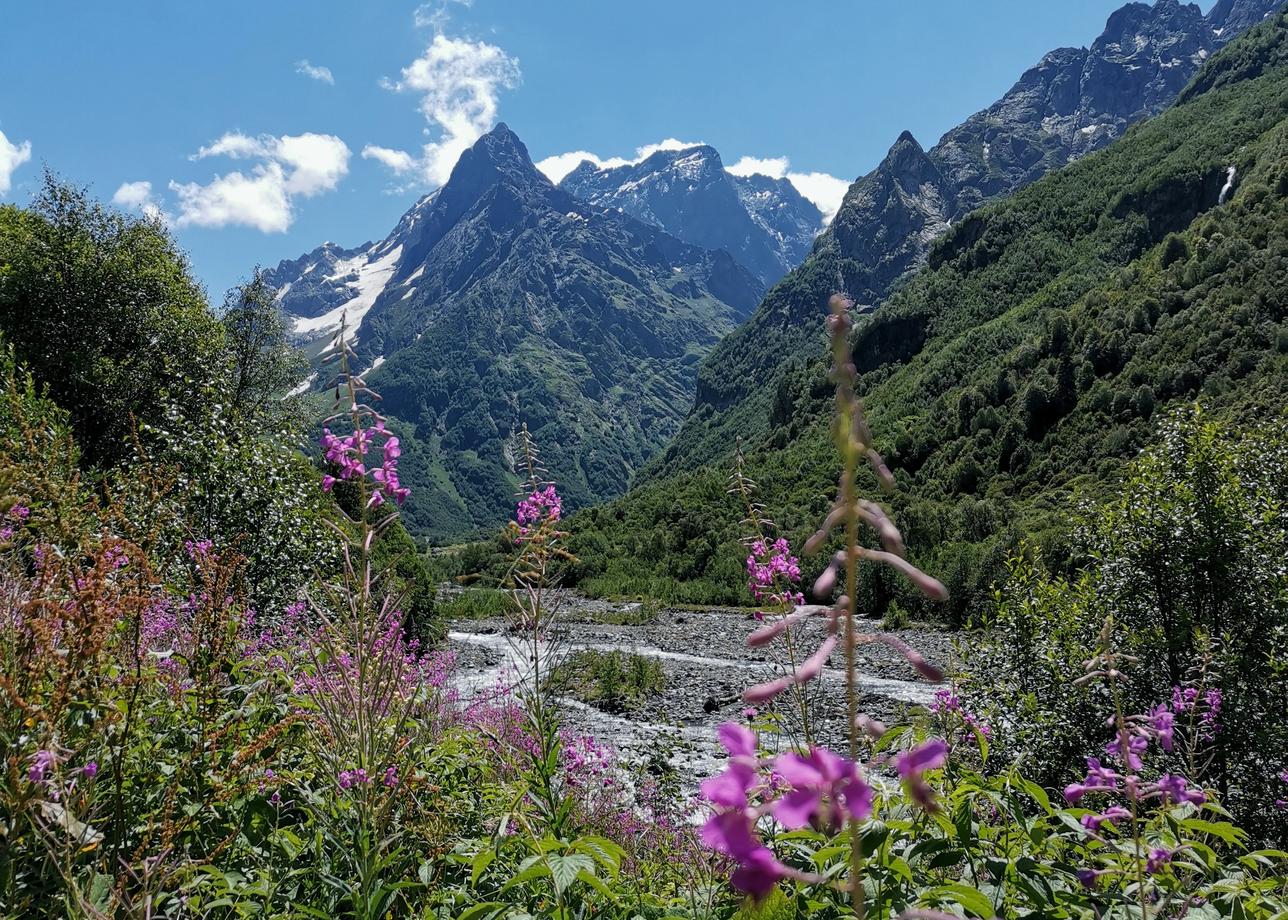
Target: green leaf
[[479, 911], [967, 897], [565, 869], [480, 864]]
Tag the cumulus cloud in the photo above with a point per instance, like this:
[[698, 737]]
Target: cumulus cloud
[[399, 161], [289, 166], [11, 157], [137, 196], [557, 166], [315, 72], [460, 84], [824, 190], [774, 167]]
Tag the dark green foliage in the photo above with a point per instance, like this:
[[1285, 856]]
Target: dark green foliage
[[263, 366], [101, 309], [613, 680], [1047, 333], [1188, 564]]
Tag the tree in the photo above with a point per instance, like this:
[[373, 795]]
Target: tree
[[263, 366], [102, 309]]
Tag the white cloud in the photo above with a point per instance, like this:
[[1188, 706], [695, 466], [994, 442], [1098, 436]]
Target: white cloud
[[137, 196], [399, 161], [436, 14], [774, 167], [290, 166], [557, 166], [315, 72], [460, 84], [826, 191], [11, 157]]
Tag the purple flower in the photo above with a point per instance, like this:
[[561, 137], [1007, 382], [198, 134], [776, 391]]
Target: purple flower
[[42, 764], [1172, 788], [1099, 779], [1111, 815], [90, 770], [820, 781], [391, 777], [1158, 860], [1163, 721], [1089, 877], [732, 833], [731, 788], [1136, 745], [912, 764]]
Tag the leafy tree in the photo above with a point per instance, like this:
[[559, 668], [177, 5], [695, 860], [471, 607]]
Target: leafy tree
[[102, 309], [263, 366]]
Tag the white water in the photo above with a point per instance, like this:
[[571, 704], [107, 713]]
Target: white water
[[695, 750]]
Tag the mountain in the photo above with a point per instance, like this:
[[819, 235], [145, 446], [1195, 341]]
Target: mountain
[[761, 221], [1015, 374], [502, 300], [1074, 101]]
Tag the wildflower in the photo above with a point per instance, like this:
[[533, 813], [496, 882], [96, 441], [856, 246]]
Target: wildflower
[[770, 565], [912, 764], [391, 777], [1111, 815], [90, 770], [732, 833], [1136, 745], [822, 777], [1173, 788], [42, 764], [1089, 877], [1163, 720], [1158, 859], [350, 778], [731, 788], [542, 505], [1099, 779]]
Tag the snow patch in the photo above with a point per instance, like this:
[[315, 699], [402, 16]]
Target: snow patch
[[372, 278]]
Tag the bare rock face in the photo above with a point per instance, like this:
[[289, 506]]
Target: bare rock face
[[763, 222]]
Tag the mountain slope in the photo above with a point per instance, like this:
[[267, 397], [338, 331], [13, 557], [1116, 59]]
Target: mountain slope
[[762, 222], [502, 300], [1074, 101], [1031, 357]]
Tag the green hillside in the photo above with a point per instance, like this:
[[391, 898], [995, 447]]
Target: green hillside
[[1033, 355]]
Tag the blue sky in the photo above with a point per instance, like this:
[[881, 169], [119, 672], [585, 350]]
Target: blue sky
[[254, 156]]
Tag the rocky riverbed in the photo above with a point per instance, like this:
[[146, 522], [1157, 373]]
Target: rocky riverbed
[[706, 663]]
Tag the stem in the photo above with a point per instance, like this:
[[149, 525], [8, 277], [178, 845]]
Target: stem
[[847, 408]]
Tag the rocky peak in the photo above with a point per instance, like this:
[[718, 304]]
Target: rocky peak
[[1230, 17]]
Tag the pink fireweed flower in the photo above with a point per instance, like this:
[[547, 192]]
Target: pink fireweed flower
[[912, 764], [732, 787], [542, 505], [772, 571], [1136, 745], [826, 789]]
